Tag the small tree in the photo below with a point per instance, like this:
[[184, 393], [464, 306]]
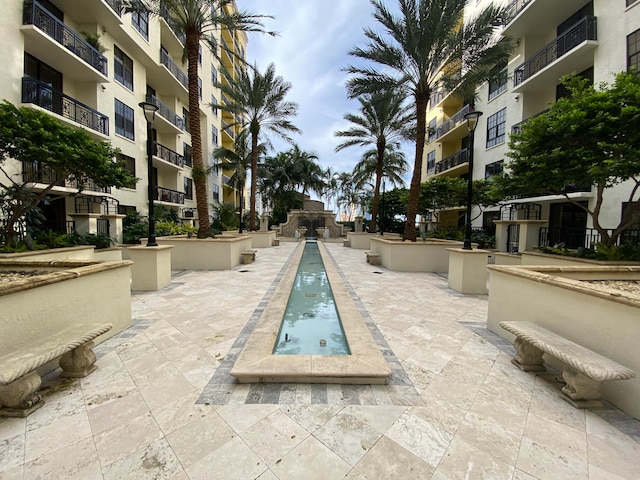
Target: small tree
[[55, 152], [443, 193], [589, 138]]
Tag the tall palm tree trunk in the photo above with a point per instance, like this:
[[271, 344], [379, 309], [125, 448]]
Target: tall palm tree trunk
[[255, 131], [198, 170], [414, 189], [375, 204]]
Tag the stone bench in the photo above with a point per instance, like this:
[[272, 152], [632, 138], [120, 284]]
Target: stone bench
[[346, 243], [275, 242], [248, 256], [584, 370], [19, 379], [373, 258]]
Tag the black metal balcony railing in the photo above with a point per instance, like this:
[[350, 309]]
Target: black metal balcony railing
[[437, 96], [174, 69], [164, 13], [32, 172], [116, 6], [517, 128], [453, 121], [35, 14], [165, 112], [168, 155], [41, 94], [514, 8], [573, 238], [228, 129], [451, 161], [167, 195], [585, 29]]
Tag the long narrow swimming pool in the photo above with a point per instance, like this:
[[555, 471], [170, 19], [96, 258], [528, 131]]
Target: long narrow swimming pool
[[311, 323]]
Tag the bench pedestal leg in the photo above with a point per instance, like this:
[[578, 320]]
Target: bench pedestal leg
[[19, 398], [79, 362], [528, 358], [580, 390]]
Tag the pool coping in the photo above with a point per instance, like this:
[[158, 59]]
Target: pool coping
[[257, 363]]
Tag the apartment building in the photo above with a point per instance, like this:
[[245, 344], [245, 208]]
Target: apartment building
[[49, 65], [592, 38]]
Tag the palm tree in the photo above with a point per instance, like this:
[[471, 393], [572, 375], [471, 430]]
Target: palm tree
[[330, 189], [278, 179], [238, 160], [308, 174], [428, 44], [199, 20], [384, 119], [259, 101], [394, 166]]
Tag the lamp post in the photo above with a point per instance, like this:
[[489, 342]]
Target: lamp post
[[472, 122], [149, 114], [382, 211]]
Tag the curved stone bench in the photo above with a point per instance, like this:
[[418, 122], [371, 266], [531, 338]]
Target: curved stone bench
[[584, 371], [19, 380]]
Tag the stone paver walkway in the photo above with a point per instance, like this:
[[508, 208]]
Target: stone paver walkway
[[162, 405]]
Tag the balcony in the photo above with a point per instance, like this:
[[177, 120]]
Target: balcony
[[454, 121], [517, 128], [32, 172], [168, 196], [168, 155], [174, 69], [571, 52], [169, 120], [60, 46], [525, 17], [228, 129], [42, 95], [459, 158]]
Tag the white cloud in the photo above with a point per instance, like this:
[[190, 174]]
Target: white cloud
[[310, 52]]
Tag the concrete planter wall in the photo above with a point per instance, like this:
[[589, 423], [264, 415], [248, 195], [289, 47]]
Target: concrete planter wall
[[113, 254], [222, 253], [538, 258], [82, 252], [71, 292], [362, 241], [602, 319], [420, 256], [262, 239]]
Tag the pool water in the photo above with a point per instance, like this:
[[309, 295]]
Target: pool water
[[311, 324]]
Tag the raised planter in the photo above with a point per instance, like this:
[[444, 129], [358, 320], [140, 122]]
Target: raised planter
[[362, 240], [69, 292], [558, 298], [262, 239], [539, 258], [220, 253], [421, 256], [112, 254]]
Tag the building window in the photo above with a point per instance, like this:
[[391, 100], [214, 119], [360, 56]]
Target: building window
[[431, 129], [214, 74], [216, 193], [496, 127], [186, 151], [188, 188], [129, 164], [498, 84], [187, 119], [214, 166], [127, 209], [493, 169], [124, 120], [631, 2], [122, 68], [140, 21], [214, 135], [200, 55], [214, 101], [200, 88], [633, 52], [431, 161]]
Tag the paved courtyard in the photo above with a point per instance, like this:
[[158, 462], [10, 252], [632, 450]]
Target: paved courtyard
[[162, 404]]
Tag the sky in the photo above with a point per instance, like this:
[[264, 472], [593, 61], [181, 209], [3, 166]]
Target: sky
[[310, 53]]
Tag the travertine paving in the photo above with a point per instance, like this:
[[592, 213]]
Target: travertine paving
[[163, 406]]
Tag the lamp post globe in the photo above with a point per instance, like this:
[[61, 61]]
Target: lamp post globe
[[472, 122]]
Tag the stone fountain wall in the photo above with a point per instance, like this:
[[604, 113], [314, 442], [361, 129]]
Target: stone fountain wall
[[313, 216]]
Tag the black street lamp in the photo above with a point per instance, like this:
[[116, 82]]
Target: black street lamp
[[149, 114], [472, 122], [382, 211]]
